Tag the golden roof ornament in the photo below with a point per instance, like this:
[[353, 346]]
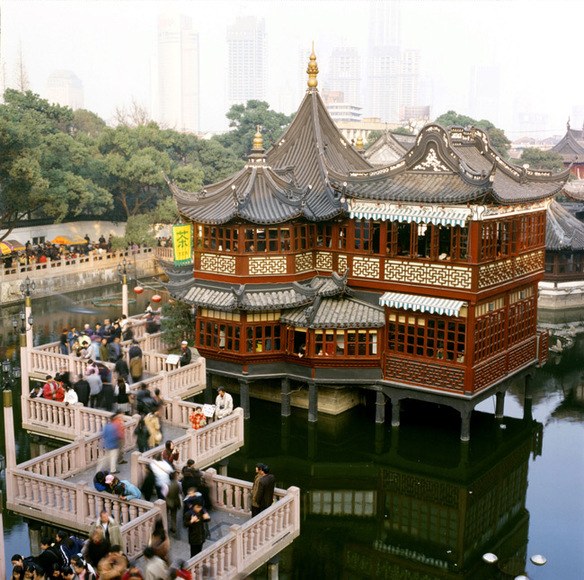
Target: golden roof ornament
[[312, 70], [359, 144], [258, 142]]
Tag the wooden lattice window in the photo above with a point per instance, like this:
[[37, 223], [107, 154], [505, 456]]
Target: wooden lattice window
[[419, 336], [324, 236], [218, 335], [490, 329], [345, 343], [263, 338], [488, 240]]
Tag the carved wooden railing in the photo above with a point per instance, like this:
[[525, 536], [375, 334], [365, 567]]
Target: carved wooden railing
[[248, 546], [205, 446]]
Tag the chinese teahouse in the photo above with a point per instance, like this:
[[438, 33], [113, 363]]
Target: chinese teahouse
[[414, 280]]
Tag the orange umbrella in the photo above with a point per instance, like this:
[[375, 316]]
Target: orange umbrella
[[72, 240], [6, 248]]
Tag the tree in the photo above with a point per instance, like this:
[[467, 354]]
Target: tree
[[372, 136], [245, 119], [177, 323], [137, 159], [538, 159], [498, 139], [133, 115], [43, 170], [87, 123]]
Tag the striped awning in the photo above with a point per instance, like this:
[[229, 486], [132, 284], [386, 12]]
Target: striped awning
[[422, 303], [421, 214]]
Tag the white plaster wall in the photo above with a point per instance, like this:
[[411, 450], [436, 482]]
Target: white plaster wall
[[50, 232]]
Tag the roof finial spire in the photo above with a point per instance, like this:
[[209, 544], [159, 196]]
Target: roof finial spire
[[359, 143], [258, 142], [568, 124], [312, 70]]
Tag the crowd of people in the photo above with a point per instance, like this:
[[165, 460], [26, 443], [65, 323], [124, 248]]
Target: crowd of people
[[101, 556], [42, 252]]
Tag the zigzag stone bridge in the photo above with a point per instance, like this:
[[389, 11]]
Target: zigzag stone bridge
[[56, 488]]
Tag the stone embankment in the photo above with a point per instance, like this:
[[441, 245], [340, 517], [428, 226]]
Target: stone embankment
[[67, 275]]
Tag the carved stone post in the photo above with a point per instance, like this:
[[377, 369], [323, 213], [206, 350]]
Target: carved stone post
[[10, 443], [312, 402], [528, 398], [244, 397], [395, 411], [465, 415], [209, 388], [500, 404], [379, 407], [286, 408]]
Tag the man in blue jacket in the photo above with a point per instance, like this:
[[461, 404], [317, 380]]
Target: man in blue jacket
[[127, 490]]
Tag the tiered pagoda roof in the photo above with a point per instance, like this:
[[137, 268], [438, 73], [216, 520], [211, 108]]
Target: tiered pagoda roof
[[563, 230], [227, 297], [452, 166], [289, 181], [571, 147]]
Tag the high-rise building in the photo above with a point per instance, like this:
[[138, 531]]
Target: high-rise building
[[65, 88], [345, 74], [175, 96], [246, 45], [393, 73], [485, 81]]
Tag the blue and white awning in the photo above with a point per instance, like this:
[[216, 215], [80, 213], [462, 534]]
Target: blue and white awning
[[422, 303], [420, 214]]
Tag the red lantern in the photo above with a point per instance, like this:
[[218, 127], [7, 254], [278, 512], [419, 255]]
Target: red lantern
[[138, 289], [156, 298]]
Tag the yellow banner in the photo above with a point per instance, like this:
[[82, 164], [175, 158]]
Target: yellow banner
[[182, 244]]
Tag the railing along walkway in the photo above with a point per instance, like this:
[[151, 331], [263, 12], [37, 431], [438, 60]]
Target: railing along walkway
[[83, 263], [56, 488]]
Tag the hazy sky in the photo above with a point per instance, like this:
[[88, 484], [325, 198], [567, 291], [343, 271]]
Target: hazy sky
[[109, 45]]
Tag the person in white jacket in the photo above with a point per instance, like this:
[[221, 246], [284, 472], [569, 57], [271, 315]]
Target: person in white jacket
[[223, 404], [70, 396]]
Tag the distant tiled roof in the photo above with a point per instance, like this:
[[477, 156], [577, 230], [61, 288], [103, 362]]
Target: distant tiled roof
[[563, 230], [575, 189], [340, 312], [451, 166], [571, 147], [389, 148]]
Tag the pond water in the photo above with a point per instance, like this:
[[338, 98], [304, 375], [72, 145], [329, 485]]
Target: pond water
[[407, 503]]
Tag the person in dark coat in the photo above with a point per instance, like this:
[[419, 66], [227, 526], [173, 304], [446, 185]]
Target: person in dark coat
[[173, 502], [185, 354], [135, 350], [142, 435], [194, 519], [265, 493], [48, 556], [96, 547], [121, 368], [81, 387], [107, 397]]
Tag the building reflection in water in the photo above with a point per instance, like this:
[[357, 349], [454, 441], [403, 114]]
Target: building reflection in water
[[409, 503]]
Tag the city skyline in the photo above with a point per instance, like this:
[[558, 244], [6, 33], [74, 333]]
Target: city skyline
[[91, 39]]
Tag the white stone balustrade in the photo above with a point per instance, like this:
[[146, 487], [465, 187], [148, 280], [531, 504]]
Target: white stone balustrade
[[247, 547], [205, 446], [82, 263]]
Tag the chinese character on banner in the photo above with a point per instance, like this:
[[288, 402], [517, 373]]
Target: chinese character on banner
[[182, 244]]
